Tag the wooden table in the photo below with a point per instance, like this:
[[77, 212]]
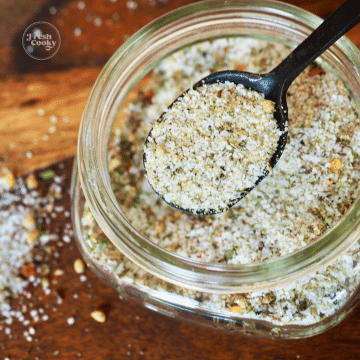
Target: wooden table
[[41, 104]]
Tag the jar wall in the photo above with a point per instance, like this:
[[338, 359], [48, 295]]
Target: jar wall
[[173, 300], [189, 310]]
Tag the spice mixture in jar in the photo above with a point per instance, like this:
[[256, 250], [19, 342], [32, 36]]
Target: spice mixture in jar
[[211, 146], [311, 188]]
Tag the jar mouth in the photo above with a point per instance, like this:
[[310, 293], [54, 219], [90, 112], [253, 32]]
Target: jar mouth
[[139, 55]]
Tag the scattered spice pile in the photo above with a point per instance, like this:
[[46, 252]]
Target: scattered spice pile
[[30, 251], [311, 188], [211, 147], [24, 243]]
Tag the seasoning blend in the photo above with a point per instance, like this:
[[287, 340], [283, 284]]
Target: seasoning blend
[[288, 253], [211, 146]]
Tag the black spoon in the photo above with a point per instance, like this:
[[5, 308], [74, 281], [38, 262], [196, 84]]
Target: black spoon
[[275, 84]]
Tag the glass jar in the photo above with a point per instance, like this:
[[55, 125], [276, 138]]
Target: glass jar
[[188, 281]]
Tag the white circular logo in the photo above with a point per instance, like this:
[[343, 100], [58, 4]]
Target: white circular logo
[[41, 40]]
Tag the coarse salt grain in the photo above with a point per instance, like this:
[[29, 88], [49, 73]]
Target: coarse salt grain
[[131, 5], [97, 22], [52, 10], [77, 31], [81, 5]]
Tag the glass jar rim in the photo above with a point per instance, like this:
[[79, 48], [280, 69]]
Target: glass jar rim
[[95, 180]]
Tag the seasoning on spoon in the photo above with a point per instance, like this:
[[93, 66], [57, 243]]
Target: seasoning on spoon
[[211, 146]]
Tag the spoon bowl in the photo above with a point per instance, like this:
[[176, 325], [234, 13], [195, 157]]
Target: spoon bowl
[[275, 84]]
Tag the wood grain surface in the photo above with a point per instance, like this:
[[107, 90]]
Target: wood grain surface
[[103, 25], [41, 104]]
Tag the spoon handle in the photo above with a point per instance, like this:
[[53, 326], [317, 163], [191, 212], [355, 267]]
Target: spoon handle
[[337, 24]]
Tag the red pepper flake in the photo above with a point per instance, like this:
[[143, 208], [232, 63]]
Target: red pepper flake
[[236, 65], [344, 207], [149, 94], [28, 270], [219, 93], [240, 67], [315, 71], [147, 99]]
